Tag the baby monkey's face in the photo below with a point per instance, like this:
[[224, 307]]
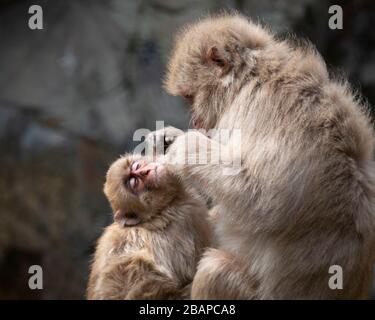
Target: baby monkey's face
[[139, 190]]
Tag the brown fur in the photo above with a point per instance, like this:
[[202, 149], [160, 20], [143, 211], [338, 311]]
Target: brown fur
[[157, 258], [305, 196]]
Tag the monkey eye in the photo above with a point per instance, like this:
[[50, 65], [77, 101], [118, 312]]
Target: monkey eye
[[135, 166], [133, 183]]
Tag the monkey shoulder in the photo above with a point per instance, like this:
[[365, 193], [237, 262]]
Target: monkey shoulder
[[117, 241]]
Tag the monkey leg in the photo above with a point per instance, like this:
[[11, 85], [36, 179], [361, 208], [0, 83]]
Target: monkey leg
[[221, 277]]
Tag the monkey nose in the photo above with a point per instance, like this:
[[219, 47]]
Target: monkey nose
[[145, 170]]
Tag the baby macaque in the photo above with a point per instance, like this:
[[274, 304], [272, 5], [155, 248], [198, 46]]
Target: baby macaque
[[159, 232]]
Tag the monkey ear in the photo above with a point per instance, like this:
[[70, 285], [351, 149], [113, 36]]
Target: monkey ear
[[214, 56]]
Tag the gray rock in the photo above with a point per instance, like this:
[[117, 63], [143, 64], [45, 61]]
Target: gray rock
[[37, 138]]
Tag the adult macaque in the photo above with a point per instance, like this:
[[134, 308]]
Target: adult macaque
[[152, 249], [304, 198]]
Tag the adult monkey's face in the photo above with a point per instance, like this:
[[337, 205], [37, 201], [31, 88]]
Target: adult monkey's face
[[210, 62]]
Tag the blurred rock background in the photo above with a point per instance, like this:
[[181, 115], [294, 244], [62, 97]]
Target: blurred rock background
[[72, 95]]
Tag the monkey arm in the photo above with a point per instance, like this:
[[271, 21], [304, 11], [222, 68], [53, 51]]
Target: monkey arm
[[221, 277], [213, 166], [104, 245]]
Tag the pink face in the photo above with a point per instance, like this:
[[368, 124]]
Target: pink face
[[136, 187], [144, 175]]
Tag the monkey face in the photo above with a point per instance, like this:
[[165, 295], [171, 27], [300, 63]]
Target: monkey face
[[210, 61], [139, 190]]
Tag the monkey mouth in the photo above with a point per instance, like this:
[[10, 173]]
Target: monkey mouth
[[198, 124], [156, 177], [131, 219], [127, 219]]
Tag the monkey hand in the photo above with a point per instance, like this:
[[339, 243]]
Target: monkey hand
[[191, 148], [196, 155], [160, 140]]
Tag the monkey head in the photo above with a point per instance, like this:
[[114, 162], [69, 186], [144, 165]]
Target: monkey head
[[209, 62], [138, 190]]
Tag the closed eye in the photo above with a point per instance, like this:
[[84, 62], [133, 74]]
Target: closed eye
[[133, 183], [135, 166]]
